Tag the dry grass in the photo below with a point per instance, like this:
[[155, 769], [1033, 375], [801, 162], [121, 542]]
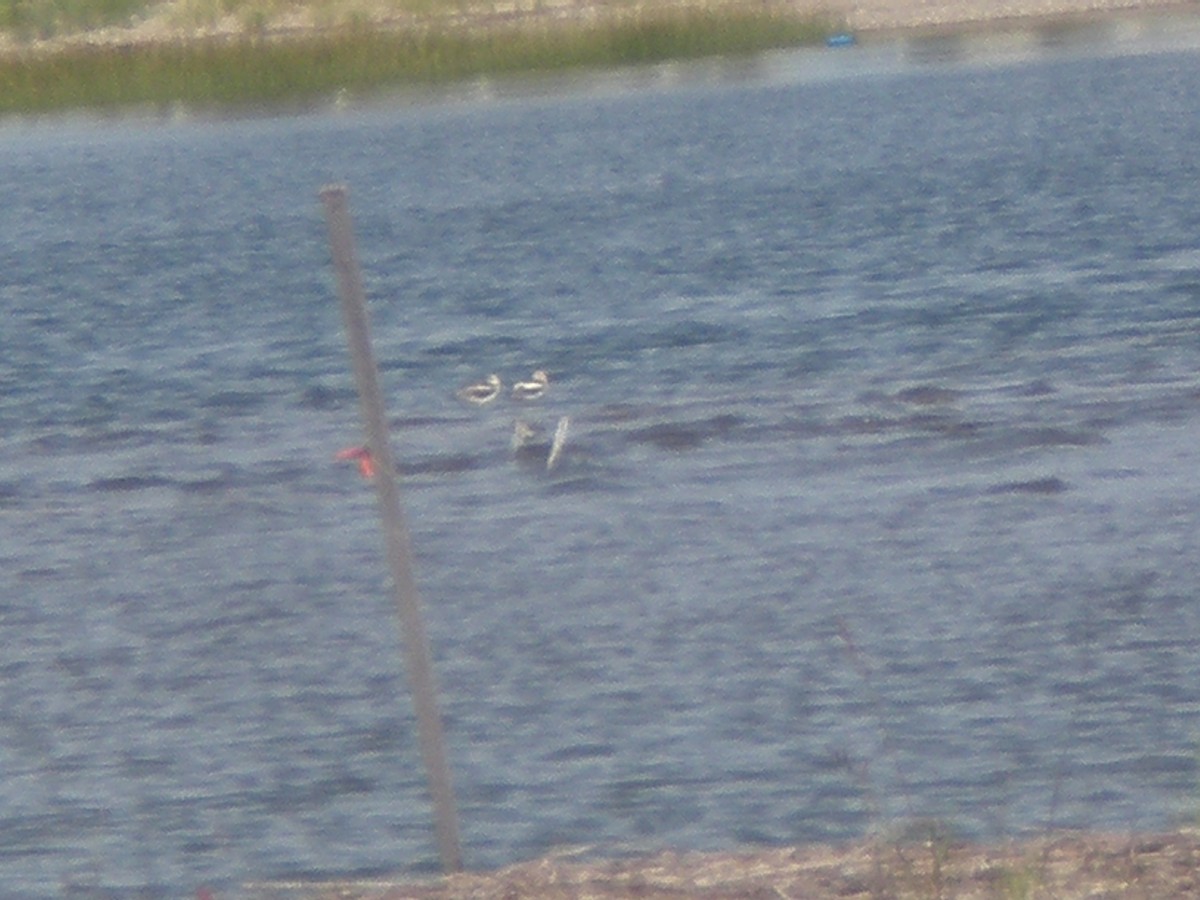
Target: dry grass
[[1061, 867]]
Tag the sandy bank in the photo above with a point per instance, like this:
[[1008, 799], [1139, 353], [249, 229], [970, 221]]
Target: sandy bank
[[875, 15]]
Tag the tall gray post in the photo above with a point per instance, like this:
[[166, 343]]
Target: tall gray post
[[395, 530]]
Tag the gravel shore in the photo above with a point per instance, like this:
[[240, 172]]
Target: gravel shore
[[1052, 867]]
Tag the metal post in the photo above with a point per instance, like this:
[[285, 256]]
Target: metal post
[[395, 530]]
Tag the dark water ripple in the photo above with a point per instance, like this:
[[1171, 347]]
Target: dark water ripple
[[878, 502]]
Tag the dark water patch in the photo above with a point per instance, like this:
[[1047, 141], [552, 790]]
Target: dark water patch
[[278, 472], [10, 492], [252, 584], [1119, 474], [215, 483], [724, 424], [209, 431], [38, 573], [944, 425], [693, 334], [170, 412], [619, 413], [1187, 290], [403, 423], [221, 625], [618, 343], [802, 426], [925, 395], [561, 484], [124, 437], [863, 425], [534, 454], [137, 764], [123, 483], [1171, 693], [233, 402], [686, 435], [325, 398], [1170, 409], [98, 664], [1039, 387], [935, 49], [103, 439], [1046, 486], [473, 351], [675, 436], [442, 464], [586, 750], [96, 410], [1041, 437]]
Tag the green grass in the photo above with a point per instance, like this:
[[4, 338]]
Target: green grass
[[250, 70]]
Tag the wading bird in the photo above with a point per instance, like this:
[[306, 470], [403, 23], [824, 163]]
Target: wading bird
[[533, 388], [483, 392]]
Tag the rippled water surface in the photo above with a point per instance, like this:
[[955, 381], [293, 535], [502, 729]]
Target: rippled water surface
[[879, 501]]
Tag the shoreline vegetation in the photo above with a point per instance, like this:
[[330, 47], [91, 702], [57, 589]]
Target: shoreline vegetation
[[258, 65], [167, 55]]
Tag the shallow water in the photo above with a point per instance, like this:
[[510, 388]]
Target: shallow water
[[879, 500]]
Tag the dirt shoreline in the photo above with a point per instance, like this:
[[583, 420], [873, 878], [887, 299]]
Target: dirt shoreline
[[1063, 867]]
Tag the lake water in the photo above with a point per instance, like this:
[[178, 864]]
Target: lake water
[[879, 503]]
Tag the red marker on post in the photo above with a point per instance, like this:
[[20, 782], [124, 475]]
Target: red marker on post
[[362, 456]]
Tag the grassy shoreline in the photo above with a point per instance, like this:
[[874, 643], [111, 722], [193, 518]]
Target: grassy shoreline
[[230, 55], [255, 67]]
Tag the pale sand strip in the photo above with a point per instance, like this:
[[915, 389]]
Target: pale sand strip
[[872, 15]]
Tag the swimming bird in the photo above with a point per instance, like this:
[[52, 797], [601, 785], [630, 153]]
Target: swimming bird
[[533, 388], [527, 446], [362, 456], [524, 436], [483, 392]]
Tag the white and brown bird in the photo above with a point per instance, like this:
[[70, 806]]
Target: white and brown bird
[[482, 392], [533, 388]]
